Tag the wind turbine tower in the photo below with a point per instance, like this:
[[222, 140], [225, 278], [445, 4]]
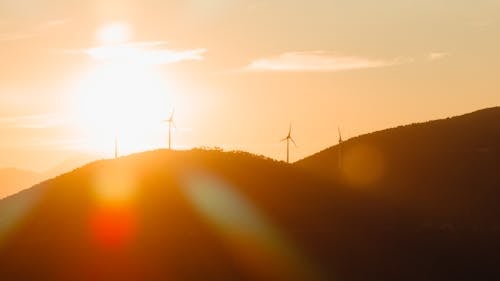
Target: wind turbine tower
[[116, 147], [171, 124], [288, 139], [340, 148]]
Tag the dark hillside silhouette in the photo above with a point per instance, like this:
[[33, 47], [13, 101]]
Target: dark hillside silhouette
[[447, 170], [211, 215], [174, 229], [197, 214]]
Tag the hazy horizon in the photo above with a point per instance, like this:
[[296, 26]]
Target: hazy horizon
[[236, 72]]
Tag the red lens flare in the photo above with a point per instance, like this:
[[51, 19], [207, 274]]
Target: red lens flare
[[113, 227]]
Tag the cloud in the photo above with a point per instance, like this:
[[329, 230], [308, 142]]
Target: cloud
[[35, 31], [319, 61], [437, 56], [149, 53], [37, 121]]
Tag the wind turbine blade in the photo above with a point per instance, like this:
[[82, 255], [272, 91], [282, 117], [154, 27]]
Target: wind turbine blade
[[172, 114], [290, 129], [293, 141]]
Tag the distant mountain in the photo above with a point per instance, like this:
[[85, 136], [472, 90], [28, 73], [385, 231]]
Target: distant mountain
[[448, 168], [13, 180], [69, 165], [410, 203]]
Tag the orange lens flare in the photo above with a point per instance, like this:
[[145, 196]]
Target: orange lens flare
[[113, 227], [113, 223], [257, 245], [363, 165]]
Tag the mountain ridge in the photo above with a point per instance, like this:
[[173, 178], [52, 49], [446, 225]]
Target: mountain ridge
[[213, 215], [490, 110]]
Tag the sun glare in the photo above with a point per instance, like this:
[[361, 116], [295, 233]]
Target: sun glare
[[124, 101], [122, 98]]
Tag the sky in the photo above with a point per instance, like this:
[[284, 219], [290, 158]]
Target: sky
[[76, 75]]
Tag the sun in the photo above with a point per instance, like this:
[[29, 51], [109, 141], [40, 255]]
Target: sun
[[121, 97], [123, 101], [114, 33]]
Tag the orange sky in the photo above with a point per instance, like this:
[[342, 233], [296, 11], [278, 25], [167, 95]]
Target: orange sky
[[237, 72]]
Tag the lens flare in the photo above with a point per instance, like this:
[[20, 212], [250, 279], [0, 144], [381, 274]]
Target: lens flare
[[113, 222], [115, 187], [363, 165], [14, 210], [113, 227], [259, 247]]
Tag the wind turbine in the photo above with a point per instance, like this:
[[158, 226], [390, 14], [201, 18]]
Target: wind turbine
[[340, 147], [288, 139], [171, 123], [116, 146]]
